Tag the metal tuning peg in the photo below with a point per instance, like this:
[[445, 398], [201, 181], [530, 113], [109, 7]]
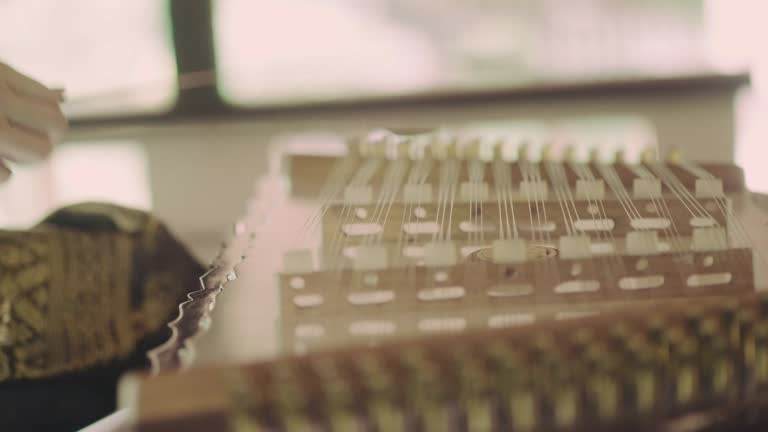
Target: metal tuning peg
[[675, 155], [620, 156], [649, 155], [594, 154], [546, 152], [522, 151], [569, 153]]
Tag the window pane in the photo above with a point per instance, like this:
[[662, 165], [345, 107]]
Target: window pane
[[293, 51], [77, 172], [112, 56]]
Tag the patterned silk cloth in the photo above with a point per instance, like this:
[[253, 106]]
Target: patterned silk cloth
[[85, 289]]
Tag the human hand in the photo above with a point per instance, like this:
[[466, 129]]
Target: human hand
[[31, 120]]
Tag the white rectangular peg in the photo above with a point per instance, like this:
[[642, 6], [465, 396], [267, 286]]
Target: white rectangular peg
[[440, 254], [358, 195], [709, 239], [534, 189], [590, 189], [645, 188], [642, 242], [371, 258], [509, 251], [574, 247], [473, 191], [298, 261], [709, 188], [417, 193]]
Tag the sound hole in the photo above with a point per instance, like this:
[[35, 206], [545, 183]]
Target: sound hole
[[650, 223], [510, 320], [442, 324], [441, 293], [538, 227], [371, 279], [577, 286], [297, 282], [566, 315], [308, 331], [594, 224], [361, 229], [709, 279], [702, 222], [441, 276], [414, 228], [471, 227], [510, 290], [372, 328], [509, 272], [308, 300], [641, 283], [371, 298], [576, 269]]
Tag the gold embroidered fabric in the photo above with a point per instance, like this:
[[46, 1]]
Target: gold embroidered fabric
[[84, 287]]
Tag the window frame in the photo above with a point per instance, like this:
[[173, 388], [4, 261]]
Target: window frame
[[192, 36]]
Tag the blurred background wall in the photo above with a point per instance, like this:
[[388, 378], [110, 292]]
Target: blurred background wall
[[178, 106]]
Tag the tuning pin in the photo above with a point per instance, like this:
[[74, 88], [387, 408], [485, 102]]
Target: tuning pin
[[486, 148], [440, 145], [417, 147], [594, 154], [675, 155], [619, 156], [498, 149], [546, 152], [522, 151], [395, 147], [468, 148], [649, 155], [374, 144], [569, 153]]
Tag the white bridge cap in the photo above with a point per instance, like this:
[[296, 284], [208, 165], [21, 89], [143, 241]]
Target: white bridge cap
[[417, 193], [371, 258], [590, 189], [358, 195], [642, 243], [474, 191], [534, 189], [574, 247], [509, 251], [440, 254], [709, 188], [644, 188], [709, 239]]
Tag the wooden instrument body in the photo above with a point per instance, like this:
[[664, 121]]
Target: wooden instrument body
[[422, 308]]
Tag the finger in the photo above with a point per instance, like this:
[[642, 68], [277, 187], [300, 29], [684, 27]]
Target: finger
[[5, 172], [22, 144], [32, 112], [25, 85]]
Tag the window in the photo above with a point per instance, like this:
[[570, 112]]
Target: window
[[294, 51], [77, 172], [112, 56]]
